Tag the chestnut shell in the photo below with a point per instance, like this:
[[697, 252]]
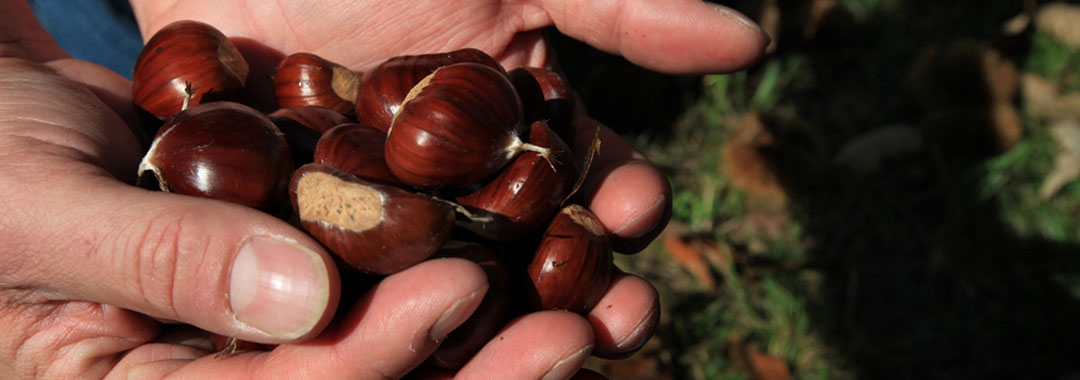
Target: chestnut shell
[[573, 266], [547, 95], [222, 150], [374, 228], [305, 79], [356, 149], [186, 56], [523, 197], [303, 126], [383, 88], [488, 318], [459, 126]]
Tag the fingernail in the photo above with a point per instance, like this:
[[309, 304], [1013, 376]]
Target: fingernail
[[639, 335], [643, 222], [278, 287], [453, 317], [569, 366], [742, 19]]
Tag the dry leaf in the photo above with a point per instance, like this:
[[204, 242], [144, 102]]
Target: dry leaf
[[675, 241], [1067, 159], [864, 153], [757, 365], [747, 163]]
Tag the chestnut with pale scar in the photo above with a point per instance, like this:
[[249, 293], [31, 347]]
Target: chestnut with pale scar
[[375, 228], [328, 199]]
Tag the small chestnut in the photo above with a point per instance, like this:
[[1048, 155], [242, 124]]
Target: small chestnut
[[305, 79], [547, 95], [488, 318], [457, 127], [186, 63], [358, 150], [303, 126], [222, 150], [384, 88], [375, 228], [573, 265], [523, 197]]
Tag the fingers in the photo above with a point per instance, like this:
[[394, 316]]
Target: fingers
[[672, 36], [625, 191], [224, 268], [549, 345], [390, 331], [625, 318]]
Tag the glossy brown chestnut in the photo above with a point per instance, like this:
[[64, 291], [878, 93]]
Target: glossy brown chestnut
[[305, 79], [457, 127], [186, 58], [488, 318], [550, 97], [375, 228], [523, 197], [222, 150], [358, 150], [573, 265], [530, 93], [383, 88], [303, 126], [318, 119]]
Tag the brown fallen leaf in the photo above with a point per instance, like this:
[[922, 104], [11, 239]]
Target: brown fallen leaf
[[1066, 160], [675, 240], [748, 163], [757, 365]]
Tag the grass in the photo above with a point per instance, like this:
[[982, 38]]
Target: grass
[[944, 263]]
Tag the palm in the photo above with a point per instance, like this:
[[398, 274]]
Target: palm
[[364, 33]]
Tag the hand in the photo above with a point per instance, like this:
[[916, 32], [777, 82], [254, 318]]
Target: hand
[[684, 36], [93, 268]]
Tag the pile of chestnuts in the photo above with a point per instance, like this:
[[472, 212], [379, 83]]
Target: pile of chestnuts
[[437, 155]]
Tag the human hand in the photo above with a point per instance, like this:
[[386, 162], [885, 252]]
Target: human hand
[[626, 192], [86, 285]]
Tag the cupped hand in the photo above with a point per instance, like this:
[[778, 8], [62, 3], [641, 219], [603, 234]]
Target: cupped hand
[[93, 270], [628, 194]]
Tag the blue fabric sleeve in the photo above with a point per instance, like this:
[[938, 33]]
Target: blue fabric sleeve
[[99, 31]]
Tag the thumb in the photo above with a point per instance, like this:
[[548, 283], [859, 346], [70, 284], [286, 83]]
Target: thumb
[[224, 268], [70, 230]]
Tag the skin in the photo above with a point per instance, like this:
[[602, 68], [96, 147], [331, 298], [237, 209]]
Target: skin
[[94, 272]]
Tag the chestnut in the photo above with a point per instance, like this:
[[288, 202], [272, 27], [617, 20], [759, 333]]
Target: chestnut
[[382, 89], [318, 119], [547, 95], [573, 265], [358, 150], [303, 126], [525, 194], [375, 228], [456, 127], [186, 63], [222, 150], [488, 318], [305, 79]]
